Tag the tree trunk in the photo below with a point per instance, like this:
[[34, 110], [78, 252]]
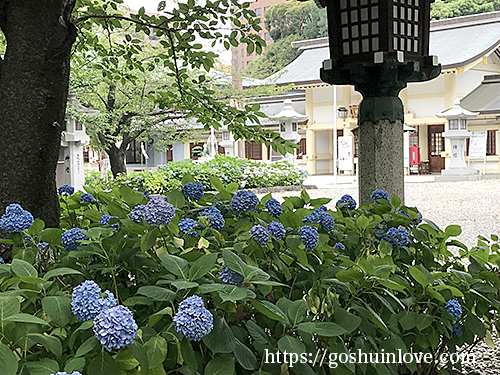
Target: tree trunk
[[117, 160], [34, 76]]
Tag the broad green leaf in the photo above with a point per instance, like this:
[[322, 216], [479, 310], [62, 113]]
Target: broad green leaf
[[232, 293], [297, 311], [51, 343], [327, 329], [220, 365], [177, 266], [60, 272], [176, 198], [234, 262], [245, 356], [8, 306], [74, 364], [103, 364], [418, 276], [87, 346], [453, 230], [156, 350], [130, 196], [25, 318], [182, 284], [475, 325], [8, 360], [291, 345], [156, 293], [148, 240], [217, 184], [156, 317], [202, 266], [346, 320], [456, 292], [22, 268], [269, 310], [44, 366], [139, 353], [221, 339], [188, 355], [58, 309], [126, 361]]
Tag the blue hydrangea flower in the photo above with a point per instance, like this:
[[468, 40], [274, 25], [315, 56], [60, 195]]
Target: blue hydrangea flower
[[412, 222], [339, 245], [456, 329], [2, 261], [42, 245], [322, 217], [216, 221], [86, 302], [327, 222], [158, 212], [193, 190], [397, 236], [16, 219], [193, 322], [454, 308], [186, 227], [105, 219], [382, 229], [260, 234], [346, 201], [66, 190], [87, 198], [115, 328], [244, 201], [138, 212], [380, 194], [276, 229], [274, 207], [309, 236], [191, 302], [230, 277], [71, 238]]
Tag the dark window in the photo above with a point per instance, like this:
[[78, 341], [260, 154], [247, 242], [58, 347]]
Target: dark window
[[78, 126], [169, 153], [491, 147], [133, 155], [86, 157], [253, 150], [266, 8], [221, 150], [302, 150], [413, 137]]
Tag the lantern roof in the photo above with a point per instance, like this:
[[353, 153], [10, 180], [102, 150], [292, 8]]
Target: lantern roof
[[289, 113], [457, 112]]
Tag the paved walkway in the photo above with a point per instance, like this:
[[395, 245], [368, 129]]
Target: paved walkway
[[343, 181]]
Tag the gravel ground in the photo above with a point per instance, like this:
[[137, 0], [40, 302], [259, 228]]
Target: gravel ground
[[474, 205]]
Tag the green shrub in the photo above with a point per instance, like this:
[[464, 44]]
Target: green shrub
[[375, 292], [244, 172]]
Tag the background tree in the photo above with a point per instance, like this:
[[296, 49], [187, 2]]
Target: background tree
[[34, 78], [455, 8], [288, 22]]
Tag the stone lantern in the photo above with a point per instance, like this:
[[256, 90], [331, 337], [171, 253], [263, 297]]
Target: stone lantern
[[289, 120], [227, 142], [457, 134], [378, 46], [70, 168]]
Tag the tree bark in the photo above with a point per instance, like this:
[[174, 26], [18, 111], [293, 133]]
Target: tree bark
[[34, 77], [117, 160]]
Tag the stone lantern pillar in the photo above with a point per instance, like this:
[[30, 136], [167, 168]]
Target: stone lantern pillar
[[457, 133], [70, 165], [289, 120]]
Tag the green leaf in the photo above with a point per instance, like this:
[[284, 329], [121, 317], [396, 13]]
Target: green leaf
[[140, 354], [220, 365], [182, 284], [221, 339], [51, 235], [126, 361], [156, 350], [36, 227], [8, 360], [103, 364], [25, 318], [327, 329], [51, 343], [188, 355], [176, 198], [291, 345], [269, 310], [131, 197], [232, 187], [217, 184], [116, 209], [157, 293], [44, 366], [452, 230], [8, 306], [234, 262], [297, 311], [346, 320], [475, 325], [22, 268], [232, 293], [202, 266], [74, 364], [156, 317], [61, 272], [245, 356], [396, 201], [87, 346], [177, 266], [418, 276], [58, 309], [148, 240]]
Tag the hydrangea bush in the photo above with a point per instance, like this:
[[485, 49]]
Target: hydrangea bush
[[259, 276], [244, 173]]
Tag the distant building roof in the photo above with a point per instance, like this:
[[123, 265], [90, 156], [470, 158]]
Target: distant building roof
[[485, 98], [456, 41], [271, 105]]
